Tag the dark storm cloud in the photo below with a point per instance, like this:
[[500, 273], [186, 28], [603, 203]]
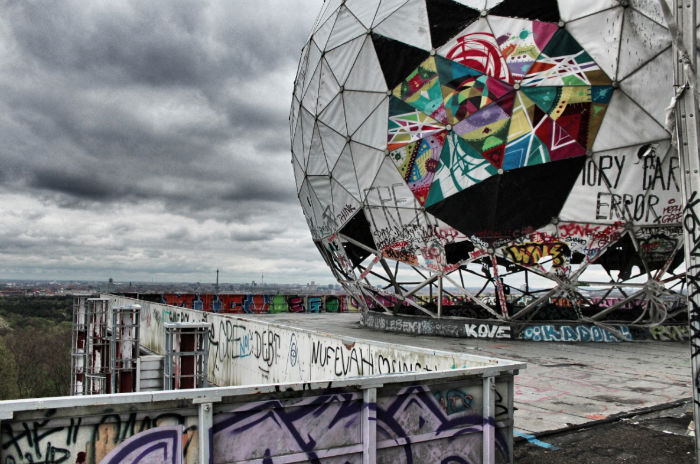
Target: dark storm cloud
[[151, 139], [91, 188], [152, 42], [179, 92]]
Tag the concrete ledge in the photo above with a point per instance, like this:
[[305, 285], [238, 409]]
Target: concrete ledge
[[565, 331]]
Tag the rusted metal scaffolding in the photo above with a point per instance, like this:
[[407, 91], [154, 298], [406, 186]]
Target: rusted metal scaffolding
[[186, 355], [124, 349]]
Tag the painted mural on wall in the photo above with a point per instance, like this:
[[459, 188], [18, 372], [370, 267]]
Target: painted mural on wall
[[160, 445], [249, 303], [435, 422], [245, 351], [275, 304], [328, 428], [165, 437], [535, 332]]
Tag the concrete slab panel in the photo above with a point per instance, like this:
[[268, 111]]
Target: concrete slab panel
[[565, 383]]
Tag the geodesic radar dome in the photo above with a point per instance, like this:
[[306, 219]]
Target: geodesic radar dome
[[434, 133]]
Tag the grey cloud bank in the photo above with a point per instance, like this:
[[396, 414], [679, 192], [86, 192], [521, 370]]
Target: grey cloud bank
[[150, 140]]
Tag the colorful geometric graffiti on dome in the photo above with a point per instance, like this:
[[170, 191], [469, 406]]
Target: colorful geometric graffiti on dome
[[555, 115], [521, 42], [480, 51], [417, 163], [407, 125]]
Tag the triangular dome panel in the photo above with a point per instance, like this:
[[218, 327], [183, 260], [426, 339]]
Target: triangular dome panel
[[298, 173], [359, 105], [460, 167], [388, 188], [313, 61], [396, 58], [565, 62], [307, 127], [328, 87], [421, 89], [543, 10], [332, 142], [574, 10], [447, 18], [599, 35], [407, 125], [342, 59], [626, 124], [301, 72], [643, 39], [344, 172], [417, 163], [323, 207], [367, 74], [386, 8], [367, 162], [651, 9], [316, 163], [654, 75], [346, 28], [408, 24], [579, 110], [344, 204], [334, 116], [373, 131], [487, 130], [364, 10], [329, 8], [320, 37]]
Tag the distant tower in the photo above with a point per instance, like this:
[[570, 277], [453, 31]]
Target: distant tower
[[217, 282]]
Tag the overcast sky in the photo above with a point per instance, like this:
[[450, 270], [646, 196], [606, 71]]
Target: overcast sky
[[149, 140]]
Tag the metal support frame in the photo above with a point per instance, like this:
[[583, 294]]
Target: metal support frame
[[124, 349], [90, 350], [369, 425], [185, 364], [412, 289], [683, 31], [489, 421], [78, 358], [205, 415]]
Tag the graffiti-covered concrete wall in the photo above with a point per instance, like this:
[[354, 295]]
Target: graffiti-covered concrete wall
[[532, 331], [245, 351], [256, 303], [304, 397], [465, 416]]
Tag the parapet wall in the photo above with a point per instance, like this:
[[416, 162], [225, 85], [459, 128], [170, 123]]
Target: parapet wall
[[572, 331], [459, 416], [247, 351], [317, 399]]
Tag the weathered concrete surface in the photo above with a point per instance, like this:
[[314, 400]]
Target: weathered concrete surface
[[564, 383], [658, 438]]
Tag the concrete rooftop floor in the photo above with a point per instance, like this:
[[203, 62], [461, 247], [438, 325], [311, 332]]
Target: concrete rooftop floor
[[564, 384]]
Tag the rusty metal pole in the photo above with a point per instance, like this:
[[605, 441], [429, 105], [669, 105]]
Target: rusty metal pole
[[685, 81]]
